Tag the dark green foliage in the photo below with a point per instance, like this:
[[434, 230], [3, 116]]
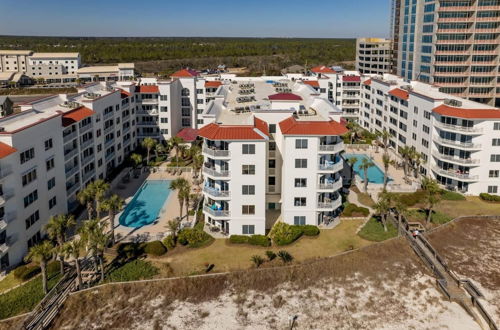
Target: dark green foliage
[[489, 197], [413, 198], [353, 210], [260, 240], [284, 234], [309, 230], [155, 248], [169, 242], [257, 260], [452, 196], [194, 238], [26, 272], [238, 239], [285, 256], [270, 255], [130, 250], [135, 270], [373, 230], [436, 217], [199, 225]]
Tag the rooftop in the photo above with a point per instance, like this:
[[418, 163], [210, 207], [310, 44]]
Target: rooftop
[[16, 52], [54, 55]]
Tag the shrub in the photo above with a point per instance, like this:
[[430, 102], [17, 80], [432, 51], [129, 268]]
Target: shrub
[[130, 250], [194, 238], [451, 196], [283, 234], [270, 255], [285, 256], [155, 248], [257, 260], [169, 242], [309, 230], [238, 239], [260, 240], [373, 230], [53, 267], [26, 272], [132, 271], [489, 197], [353, 210], [413, 198]]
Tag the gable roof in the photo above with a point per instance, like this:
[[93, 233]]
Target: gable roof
[[447, 110], [285, 97], [351, 78], [124, 94], [75, 115], [185, 73], [399, 93], [147, 89], [322, 69], [368, 82], [188, 134], [213, 131], [312, 83], [291, 126], [6, 150], [213, 84]]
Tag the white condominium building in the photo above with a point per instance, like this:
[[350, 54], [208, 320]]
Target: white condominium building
[[459, 139], [263, 137], [373, 55]]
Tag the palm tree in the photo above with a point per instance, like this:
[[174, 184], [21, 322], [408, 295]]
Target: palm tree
[[433, 195], [56, 228], [95, 240], [351, 161], [174, 143], [417, 160], [387, 161], [194, 151], [73, 249], [86, 197], [149, 144], [180, 185], [113, 205], [405, 153], [174, 226], [354, 129], [41, 254], [402, 211], [137, 159], [382, 208], [183, 150], [385, 136], [159, 149], [364, 166], [198, 164], [99, 188]]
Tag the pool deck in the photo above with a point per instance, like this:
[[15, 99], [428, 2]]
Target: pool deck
[[169, 211]]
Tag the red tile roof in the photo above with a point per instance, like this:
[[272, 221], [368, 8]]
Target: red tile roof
[[368, 82], [313, 83], [399, 93], [291, 126], [76, 115], [212, 84], [124, 94], [6, 150], [323, 69], [147, 89], [285, 97], [188, 134], [447, 110], [351, 78], [185, 73], [234, 132]]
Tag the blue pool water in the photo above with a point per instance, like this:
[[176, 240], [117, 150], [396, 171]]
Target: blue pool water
[[375, 174], [146, 204]]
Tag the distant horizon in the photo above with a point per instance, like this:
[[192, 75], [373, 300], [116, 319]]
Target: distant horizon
[[346, 19], [173, 37]]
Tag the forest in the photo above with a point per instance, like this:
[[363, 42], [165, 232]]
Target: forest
[[165, 55]]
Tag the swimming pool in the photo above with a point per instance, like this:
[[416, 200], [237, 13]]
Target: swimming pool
[[375, 174], [146, 204]]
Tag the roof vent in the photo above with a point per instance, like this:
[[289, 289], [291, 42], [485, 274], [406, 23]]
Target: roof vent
[[407, 87], [393, 82], [453, 103]]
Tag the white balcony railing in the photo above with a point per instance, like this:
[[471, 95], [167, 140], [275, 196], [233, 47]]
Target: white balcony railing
[[215, 152], [216, 192], [331, 205], [459, 128], [332, 148], [212, 172], [331, 167], [332, 186], [454, 174], [464, 161], [216, 213], [465, 145]]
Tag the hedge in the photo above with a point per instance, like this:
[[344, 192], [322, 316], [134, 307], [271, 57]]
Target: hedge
[[353, 210], [130, 250], [155, 248], [26, 272], [489, 197], [260, 240], [452, 196], [238, 239], [284, 234], [309, 230], [169, 242], [194, 238], [133, 271]]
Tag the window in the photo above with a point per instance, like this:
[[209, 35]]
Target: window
[[48, 144], [29, 177], [492, 189], [299, 220], [272, 128], [301, 163], [248, 229], [495, 142], [30, 198], [494, 173], [50, 164], [164, 120], [271, 180], [34, 240], [32, 219], [299, 201], [301, 144], [248, 209], [27, 155], [52, 202], [427, 114], [300, 182], [51, 183], [248, 169], [272, 163], [248, 149], [163, 98], [495, 158], [248, 190], [496, 126]]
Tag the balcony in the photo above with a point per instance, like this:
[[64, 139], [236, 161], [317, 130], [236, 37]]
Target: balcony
[[216, 213], [110, 156], [86, 144], [458, 144], [88, 175], [147, 123], [145, 135], [215, 153], [69, 137], [331, 167], [216, 193], [69, 154], [458, 128], [109, 142], [108, 115], [331, 186], [215, 173], [454, 174], [331, 205], [71, 171], [70, 189], [6, 196], [5, 171], [8, 243], [455, 8], [85, 128], [457, 160], [109, 129], [331, 148], [87, 159], [149, 101]]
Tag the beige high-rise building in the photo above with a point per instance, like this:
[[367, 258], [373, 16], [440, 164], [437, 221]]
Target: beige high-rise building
[[373, 55]]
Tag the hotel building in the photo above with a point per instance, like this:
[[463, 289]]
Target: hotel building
[[373, 55]]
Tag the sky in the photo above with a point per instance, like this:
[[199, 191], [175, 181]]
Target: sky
[[190, 18]]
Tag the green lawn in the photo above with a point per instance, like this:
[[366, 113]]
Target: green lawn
[[133, 271], [374, 231], [437, 217], [8, 282]]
